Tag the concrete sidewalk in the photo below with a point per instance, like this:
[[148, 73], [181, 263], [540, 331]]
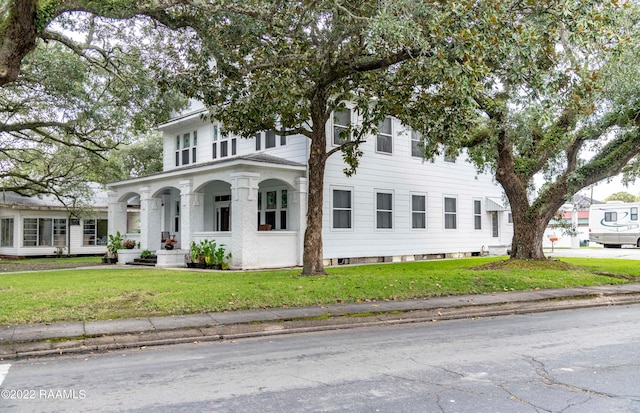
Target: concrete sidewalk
[[58, 338]]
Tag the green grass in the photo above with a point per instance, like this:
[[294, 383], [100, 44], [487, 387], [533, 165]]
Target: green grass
[[112, 293]]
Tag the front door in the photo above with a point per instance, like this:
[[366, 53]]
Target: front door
[[495, 223]]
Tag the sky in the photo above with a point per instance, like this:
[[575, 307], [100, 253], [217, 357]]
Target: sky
[[604, 189]]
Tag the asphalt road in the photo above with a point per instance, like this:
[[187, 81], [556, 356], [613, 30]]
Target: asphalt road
[[565, 361]]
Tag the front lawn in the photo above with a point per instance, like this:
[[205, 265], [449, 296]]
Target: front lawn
[[111, 293]]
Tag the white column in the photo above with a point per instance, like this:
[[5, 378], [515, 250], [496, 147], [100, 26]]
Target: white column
[[191, 213], [150, 220], [117, 214], [244, 224], [300, 203]]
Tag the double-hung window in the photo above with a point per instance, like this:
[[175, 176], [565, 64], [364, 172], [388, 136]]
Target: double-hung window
[[418, 211], [384, 210], [342, 209], [477, 214], [6, 232], [450, 213], [269, 139], [416, 144], [384, 140], [341, 126]]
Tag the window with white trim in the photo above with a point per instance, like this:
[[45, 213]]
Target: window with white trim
[[418, 211], [416, 144], [186, 148], [6, 232], [44, 232], [450, 213], [269, 139], [384, 140], [384, 210], [94, 232], [341, 125], [214, 139], [477, 214], [342, 209]]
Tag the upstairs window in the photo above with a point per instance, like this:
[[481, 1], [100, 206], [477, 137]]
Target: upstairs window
[[416, 144], [341, 125], [186, 148], [270, 139], [384, 140]]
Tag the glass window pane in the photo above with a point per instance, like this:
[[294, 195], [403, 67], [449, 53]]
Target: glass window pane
[[341, 199], [450, 205], [418, 203], [419, 220], [384, 201]]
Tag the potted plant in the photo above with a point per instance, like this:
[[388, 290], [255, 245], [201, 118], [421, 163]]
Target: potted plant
[[170, 243], [129, 244], [196, 256], [113, 245], [221, 260]]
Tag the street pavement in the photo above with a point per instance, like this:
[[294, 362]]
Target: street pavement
[[35, 340]]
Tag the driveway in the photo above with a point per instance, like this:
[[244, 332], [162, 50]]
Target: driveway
[[628, 253]]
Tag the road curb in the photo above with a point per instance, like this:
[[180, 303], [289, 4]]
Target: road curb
[[252, 329]]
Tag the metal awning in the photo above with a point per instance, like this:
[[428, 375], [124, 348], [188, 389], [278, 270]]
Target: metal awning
[[494, 204]]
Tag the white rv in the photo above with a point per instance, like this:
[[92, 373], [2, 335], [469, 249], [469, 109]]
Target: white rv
[[615, 224]]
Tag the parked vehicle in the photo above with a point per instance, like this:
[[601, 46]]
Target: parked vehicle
[[615, 224]]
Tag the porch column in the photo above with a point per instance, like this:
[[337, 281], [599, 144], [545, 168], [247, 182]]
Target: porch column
[[117, 214], [191, 213], [150, 218], [301, 202], [244, 216]]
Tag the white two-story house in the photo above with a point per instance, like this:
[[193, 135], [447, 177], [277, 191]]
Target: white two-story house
[[251, 195]]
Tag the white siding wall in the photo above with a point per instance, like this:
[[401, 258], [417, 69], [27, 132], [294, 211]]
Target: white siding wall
[[19, 249], [295, 148], [404, 175]]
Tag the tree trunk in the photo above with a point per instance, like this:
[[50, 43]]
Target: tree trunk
[[312, 260], [527, 238]]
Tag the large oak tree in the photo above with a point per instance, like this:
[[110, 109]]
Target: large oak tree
[[560, 101]]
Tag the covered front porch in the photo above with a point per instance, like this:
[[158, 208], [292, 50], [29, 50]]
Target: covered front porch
[[256, 210]]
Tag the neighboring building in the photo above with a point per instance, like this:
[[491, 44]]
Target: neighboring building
[[556, 228], [33, 226], [233, 190]]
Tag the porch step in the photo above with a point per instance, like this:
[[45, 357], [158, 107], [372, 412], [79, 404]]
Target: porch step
[[149, 262]]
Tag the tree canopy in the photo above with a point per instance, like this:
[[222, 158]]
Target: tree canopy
[[88, 83], [558, 86]]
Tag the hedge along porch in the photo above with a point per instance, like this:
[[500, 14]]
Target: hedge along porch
[[255, 205]]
